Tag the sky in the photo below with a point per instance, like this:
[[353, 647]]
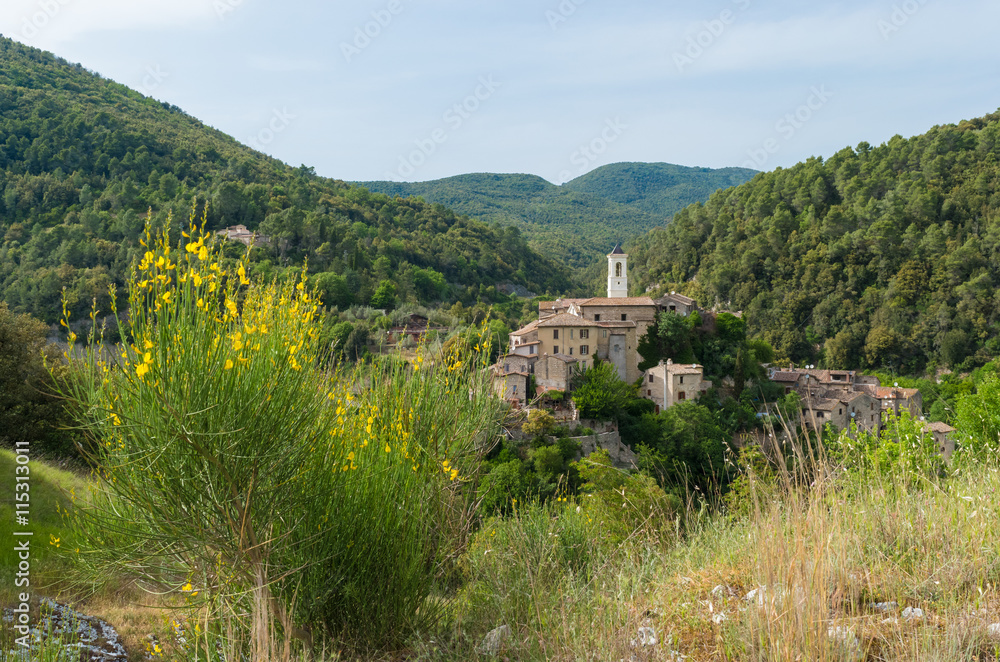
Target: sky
[[413, 90]]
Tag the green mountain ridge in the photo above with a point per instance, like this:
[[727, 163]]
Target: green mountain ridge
[[878, 257], [581, 220], [83, 158]]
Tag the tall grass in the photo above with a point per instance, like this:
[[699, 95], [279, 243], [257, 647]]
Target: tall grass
[[834, 549], [285, 505]]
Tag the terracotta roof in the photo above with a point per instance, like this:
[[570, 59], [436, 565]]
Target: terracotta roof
[[564, 358], [820, 404], [561, 303], [938, 426], [679, 368], [891, 392], [565, 319], [620, 301], [677, 297], [785, 376], [529, 344], [527, 328]]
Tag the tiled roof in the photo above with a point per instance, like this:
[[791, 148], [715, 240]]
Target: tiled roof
[[620, 301], [526, 329], [565, 319], [938, 426], [676, 297], [564, 358], [785, 376], [616, 324], [820, 404], [561, 303]]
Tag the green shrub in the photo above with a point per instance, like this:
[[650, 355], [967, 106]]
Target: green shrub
[[237, 475]]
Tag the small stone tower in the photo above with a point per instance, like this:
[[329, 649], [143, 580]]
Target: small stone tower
[[617, 273]]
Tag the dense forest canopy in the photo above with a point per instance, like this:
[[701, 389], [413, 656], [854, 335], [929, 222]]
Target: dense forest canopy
[[82, 159], [879, 257]]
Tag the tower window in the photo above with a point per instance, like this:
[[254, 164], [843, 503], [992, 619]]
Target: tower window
[[618, 270]]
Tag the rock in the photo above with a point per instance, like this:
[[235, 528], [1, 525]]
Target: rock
[[993, 631], [884, 607], [847, 642], [86, 637], [494, 640], [646, 637], [719, 618], [720, 591], [890, 621], [913, 613]]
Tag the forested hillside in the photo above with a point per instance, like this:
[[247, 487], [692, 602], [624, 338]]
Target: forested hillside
[[885, 257], [82, 159], [581, 220], [661, 189]]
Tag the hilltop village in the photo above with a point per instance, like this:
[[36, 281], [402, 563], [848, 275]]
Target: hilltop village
[[570, 335]]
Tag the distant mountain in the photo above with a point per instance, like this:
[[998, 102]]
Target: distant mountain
[[580, 221], [83, 158], [661, 189]]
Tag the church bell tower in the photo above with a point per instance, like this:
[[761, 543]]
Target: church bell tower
[[617, 273]]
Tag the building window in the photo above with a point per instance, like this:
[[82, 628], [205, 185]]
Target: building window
[[650, 378], [555, 334], [584, 334], [839, 412], [571, 351], [682, 379], [624, 317], [584, 350], [571, 334], [555, 349], [515, 389], [506, 367], [673, 309], [649, 392], [597, 318], [531, 350], [682, 396]]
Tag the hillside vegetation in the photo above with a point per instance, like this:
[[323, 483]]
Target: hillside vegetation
[[879, 257], [82, 159], [581, 220], [661, 189]]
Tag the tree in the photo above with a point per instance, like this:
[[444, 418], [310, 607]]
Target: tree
[[603, 395], [540, 422], [29, 410], [691, 448], [385, 295]]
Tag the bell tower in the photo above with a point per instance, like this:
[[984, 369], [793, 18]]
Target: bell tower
[[617, 273]]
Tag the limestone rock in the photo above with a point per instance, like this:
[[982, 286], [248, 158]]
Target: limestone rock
[[494, 640]]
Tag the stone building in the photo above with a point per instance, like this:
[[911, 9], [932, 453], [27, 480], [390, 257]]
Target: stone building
[[579, 329], [944, 437], [676, 303], [669, 383]]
